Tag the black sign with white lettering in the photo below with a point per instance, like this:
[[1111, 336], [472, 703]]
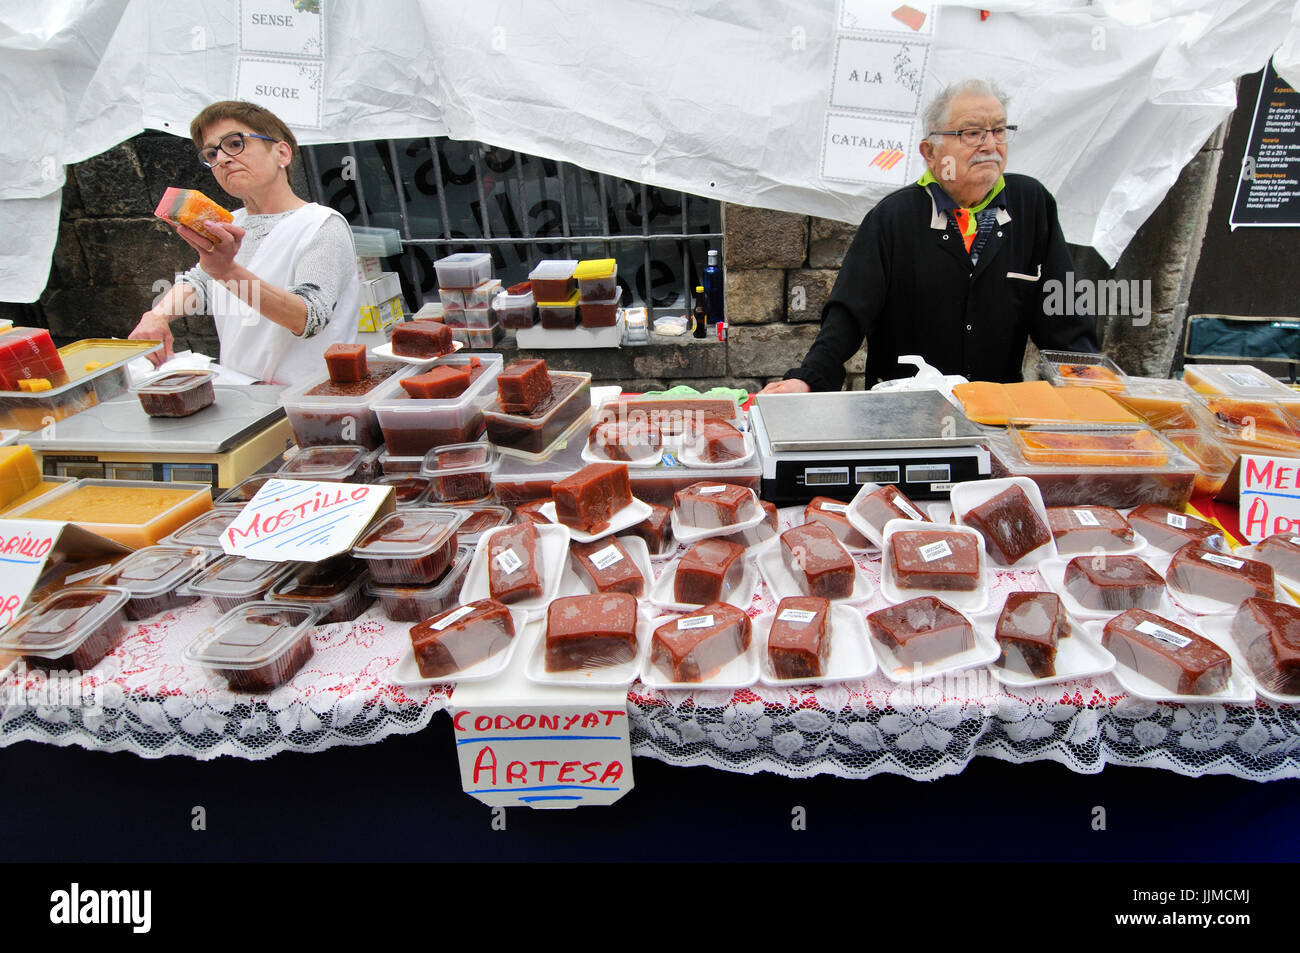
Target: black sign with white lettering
[[1268, 191]]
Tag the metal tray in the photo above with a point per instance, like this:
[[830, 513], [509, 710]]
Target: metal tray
[[864, 420]]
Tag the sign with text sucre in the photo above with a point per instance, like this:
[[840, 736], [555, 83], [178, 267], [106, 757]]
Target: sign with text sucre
[[544, 756], [289, 88], [298, 520], [285, 27]]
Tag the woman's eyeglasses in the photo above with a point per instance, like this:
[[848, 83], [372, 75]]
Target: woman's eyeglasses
[[232, 144]]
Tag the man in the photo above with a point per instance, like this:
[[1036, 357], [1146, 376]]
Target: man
[[953, 267]]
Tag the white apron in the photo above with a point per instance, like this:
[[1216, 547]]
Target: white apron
[[254, 345]]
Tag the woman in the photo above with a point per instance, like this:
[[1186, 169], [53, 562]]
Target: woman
[[281, 281]]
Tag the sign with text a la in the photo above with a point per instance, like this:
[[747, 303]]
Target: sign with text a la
[[1270, 496], [544, 756]]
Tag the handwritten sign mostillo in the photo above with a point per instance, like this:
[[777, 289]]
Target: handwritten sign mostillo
[[304, 521], [26, 546], [1270, 496]]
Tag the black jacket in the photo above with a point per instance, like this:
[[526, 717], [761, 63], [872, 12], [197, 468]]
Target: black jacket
[[908, 287]]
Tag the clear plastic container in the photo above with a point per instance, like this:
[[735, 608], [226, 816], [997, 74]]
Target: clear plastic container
[[1214, 460], [478, 519], [479, 319], [177, 393], [636, 329], [674, 416], [256, 646], [72, 630], [205, 531], [455, 320], [517, 480], [155, 577], [1095, 446], [553, 280], [461, 471], [232, 581], [464, 270], [453, 299], [514, 309], [414, 547], [416, 603], [392, 464], [134, 513], [323, 464], [409, 489], [1237, 380], [335, 587], [1252, 421], [537, 433], [245, 489], [480, 297], [1073, 484], [597, 279], [484, 338], [1163, 404], [599, 314], [660, 483], [343, 413], [560, 314], [413, 426], [1066, 368]]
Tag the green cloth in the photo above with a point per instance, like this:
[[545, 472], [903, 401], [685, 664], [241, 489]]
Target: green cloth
[[681, 390], [927, 177]]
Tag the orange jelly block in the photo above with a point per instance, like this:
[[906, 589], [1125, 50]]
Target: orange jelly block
[[346, 362], [193, 209], [19, 473], [1094, 404], [439, 383], [132, 515]]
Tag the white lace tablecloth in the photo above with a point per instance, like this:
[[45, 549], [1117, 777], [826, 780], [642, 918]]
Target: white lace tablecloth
[[147, 700]]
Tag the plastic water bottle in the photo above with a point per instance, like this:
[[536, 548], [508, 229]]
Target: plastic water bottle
[[713, 287]]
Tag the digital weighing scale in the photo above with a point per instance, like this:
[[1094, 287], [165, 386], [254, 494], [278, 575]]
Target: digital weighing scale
[[829, 444], [221, 444]]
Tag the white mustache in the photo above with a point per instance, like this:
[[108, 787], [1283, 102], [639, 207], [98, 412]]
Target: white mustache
[[994, 157]]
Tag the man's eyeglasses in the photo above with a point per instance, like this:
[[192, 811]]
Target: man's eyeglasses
[[232, 144], [975, 137]]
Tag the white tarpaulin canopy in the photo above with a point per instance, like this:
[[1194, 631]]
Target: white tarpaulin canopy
[[734, 101]]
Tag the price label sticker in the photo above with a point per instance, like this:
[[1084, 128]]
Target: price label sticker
[[1160, 633], [934, 551], [834, 507], [1176, 520], [796, 616], [695, 622], [452, 616], [604, 558], [508, 561], [1223, 560], [1086, 518]]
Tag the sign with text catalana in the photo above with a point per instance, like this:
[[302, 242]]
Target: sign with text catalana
[[546, 756], [289, 88], [1270, 496], [291, 27], [299, 520]]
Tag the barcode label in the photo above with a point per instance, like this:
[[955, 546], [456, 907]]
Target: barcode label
[[604, 558], [798, 616], [695, 622], [1161, 634], [452, 616], [934, 551], [1223, 560], [834, 507], [908, 508], [508, 561], [706, 490], [1086, 518], [1176, 520]]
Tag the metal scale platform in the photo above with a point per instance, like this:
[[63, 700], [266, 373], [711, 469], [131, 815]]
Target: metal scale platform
[[829, 444], [221, 444]]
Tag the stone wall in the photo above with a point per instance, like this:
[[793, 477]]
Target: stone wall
[[780, 269]]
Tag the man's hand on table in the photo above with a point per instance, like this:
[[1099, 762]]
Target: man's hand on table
[[791, 386]]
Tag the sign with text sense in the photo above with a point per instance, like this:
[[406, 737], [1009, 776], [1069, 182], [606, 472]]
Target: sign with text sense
[[292, 27], [1270, 496], [544, 757], [301, 520]]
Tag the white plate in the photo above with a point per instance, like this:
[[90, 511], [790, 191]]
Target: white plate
[[1218, 629], [407, 673], [1139, 547], [984, 651], [640, 555], [386, 352], [849, 659], [939, 512], [1077, 655], [693, 534], [966, 496], [623, 519], [1240, 689], [1200, 605], [608, 676], [783, 584], [740, 672], [689, 456], [1053, 573], [661, 594], [976, 600], [856, 520], [592, 454], [553, 541]]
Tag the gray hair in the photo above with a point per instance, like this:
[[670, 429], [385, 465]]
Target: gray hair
[[936, 113]]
